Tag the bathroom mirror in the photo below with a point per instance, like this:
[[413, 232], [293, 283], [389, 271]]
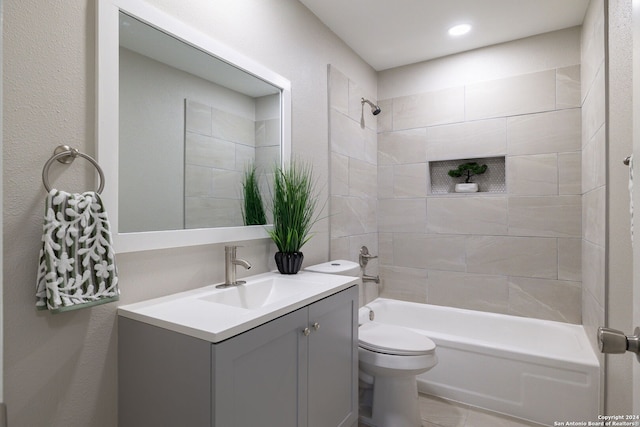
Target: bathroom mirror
[[180, 118]]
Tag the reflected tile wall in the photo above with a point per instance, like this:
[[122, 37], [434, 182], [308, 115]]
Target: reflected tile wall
[[218, 147], [518, 252]]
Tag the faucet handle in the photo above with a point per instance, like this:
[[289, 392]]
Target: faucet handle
[[364, 253], [365, 256]]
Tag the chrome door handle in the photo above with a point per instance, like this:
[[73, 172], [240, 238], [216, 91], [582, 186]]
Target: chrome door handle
[[316, 326], [306, 332], [613, 341]]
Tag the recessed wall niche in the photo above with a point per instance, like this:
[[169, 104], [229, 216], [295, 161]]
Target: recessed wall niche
[[492, 181]]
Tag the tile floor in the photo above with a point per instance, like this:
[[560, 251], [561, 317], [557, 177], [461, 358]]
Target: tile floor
[[437, 412]]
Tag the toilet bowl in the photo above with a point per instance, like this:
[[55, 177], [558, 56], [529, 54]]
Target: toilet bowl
[[389, 358]]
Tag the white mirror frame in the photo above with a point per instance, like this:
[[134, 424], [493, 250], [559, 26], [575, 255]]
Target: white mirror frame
[[107, 120]]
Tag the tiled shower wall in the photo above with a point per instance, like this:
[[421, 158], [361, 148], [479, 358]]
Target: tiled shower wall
[[518, 252], [353, 171], [594, 169]]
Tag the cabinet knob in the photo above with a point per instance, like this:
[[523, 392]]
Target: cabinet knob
[[316, 326], [306, 332]]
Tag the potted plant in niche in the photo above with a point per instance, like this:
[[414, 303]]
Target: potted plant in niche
[[252, 207], [467, 170], [294, 203]]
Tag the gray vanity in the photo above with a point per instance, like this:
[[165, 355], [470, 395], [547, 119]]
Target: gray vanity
[[278, 351]]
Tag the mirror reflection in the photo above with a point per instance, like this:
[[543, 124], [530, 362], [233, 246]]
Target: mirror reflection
[[190, 126]]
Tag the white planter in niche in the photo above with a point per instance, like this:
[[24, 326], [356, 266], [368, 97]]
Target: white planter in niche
[[471, 187]]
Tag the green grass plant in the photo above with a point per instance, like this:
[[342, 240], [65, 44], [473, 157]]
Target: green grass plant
[[294, 203]]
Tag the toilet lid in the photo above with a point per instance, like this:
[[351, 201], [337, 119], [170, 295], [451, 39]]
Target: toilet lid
[[390, 339]]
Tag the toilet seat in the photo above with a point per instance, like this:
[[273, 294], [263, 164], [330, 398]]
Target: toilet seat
[[393, 340]]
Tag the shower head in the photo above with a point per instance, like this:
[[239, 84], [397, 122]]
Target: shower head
[[375, 109]]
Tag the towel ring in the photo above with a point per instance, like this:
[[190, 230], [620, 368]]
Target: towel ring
[[65, 154]]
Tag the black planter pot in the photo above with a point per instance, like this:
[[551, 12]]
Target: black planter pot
[[289, 262]]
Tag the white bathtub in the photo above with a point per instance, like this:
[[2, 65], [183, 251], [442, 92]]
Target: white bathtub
[[537, 370]]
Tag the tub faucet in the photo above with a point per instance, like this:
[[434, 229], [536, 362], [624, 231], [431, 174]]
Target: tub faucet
[[364, 258], [230, 263], [367, 278]]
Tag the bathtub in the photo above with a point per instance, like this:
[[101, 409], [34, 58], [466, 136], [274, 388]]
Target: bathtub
[[537, 370]]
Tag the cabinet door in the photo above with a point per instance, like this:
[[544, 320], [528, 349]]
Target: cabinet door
[[163, 377], [259, 377], [333, 360]]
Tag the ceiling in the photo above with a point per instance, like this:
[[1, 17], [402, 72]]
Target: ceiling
[[392, 33]]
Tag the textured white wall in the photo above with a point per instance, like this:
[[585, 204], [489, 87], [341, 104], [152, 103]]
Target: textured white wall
[[61, 369]]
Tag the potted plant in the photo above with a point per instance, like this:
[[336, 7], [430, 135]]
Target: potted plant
[[294, 204], [252, 207], [467, 170]]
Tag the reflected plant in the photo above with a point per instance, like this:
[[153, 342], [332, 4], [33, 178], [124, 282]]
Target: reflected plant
[[253, 212]]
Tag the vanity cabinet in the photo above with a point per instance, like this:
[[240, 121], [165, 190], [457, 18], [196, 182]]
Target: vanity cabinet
[[297, 370]]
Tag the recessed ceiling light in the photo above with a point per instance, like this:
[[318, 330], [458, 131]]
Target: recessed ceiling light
[[458, 30]]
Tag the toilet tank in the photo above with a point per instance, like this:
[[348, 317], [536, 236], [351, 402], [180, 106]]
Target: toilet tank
[[340, 266]]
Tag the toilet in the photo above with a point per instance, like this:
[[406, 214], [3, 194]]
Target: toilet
[[389, 359]]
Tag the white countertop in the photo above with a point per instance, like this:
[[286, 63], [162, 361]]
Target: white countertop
[[191, 313]]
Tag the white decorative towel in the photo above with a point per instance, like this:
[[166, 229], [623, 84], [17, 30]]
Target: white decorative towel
[[77, 262]]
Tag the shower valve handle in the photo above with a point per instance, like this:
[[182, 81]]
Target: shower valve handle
[[616, 342], [365, 256]]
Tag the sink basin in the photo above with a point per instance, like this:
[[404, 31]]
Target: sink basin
[[215, 315], [257, 294]]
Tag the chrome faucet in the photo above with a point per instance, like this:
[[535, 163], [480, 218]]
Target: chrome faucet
[[230, 262], [364, 258]]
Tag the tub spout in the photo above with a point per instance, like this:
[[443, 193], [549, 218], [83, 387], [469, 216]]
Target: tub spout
[[367, 278]]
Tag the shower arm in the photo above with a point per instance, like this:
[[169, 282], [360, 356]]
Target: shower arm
[[366, 101], [375, 109]]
